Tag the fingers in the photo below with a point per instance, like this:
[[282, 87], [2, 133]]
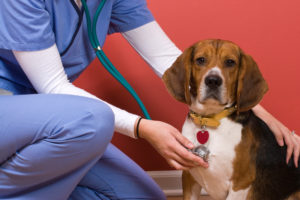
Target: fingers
[[183, 140], [293, 146], [176, 165], [190, 157], [290, 145], [296, 149], [185, 158], [283, 135], [182, 161], [279, 139]]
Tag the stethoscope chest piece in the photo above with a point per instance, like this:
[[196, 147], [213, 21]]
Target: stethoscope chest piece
[[201, 151]]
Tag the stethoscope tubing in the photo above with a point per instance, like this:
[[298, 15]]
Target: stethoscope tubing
[[92, 34]]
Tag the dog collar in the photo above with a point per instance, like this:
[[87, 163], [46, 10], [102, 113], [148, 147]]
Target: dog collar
[[211, 121]]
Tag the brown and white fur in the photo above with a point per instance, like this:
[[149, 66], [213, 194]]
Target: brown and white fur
[[245, 162]]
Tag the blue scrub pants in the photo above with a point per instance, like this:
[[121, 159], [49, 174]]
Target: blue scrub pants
[[57, 147]]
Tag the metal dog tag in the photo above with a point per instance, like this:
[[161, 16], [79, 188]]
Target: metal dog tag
[[201, 151]]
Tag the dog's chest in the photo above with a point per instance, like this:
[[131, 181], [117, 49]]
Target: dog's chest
[[221, 144]]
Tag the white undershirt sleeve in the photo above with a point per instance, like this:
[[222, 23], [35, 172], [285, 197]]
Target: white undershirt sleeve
[[151, 42], [45, 71]]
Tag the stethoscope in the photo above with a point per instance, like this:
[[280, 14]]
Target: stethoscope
[[92, 34], [200, 150]]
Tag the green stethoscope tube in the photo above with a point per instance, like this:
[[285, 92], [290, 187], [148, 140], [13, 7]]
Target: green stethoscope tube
[[92, 33]]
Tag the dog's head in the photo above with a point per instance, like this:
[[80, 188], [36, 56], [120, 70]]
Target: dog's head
[[214, 74]]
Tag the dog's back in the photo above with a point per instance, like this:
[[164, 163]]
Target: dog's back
[[274, 179]]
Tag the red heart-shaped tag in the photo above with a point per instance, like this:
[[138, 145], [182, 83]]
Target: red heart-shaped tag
[[202, 136]]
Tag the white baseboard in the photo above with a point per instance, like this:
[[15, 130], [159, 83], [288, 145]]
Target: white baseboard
[[169, 181]]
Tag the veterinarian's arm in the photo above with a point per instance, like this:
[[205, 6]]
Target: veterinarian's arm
[[281, 132], [154, 46], [45, 71]]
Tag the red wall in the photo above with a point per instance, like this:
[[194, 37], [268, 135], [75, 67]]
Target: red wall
[[267, 30]]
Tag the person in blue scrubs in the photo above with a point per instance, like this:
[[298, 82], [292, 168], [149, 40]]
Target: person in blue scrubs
[[57, 146], [51, 145]]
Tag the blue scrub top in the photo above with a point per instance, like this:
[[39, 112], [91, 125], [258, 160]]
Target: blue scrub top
[[29, 25]]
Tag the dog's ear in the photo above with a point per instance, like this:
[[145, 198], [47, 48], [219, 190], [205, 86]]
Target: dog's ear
[[251, 85], [177, 77]]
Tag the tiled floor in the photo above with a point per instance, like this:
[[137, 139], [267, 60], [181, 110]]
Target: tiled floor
[[180, 198]]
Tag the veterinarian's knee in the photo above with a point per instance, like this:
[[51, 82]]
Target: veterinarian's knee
[[83, 120]]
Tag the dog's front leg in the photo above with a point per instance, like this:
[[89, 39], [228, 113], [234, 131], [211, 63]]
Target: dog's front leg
[[191, 189], [237, 195]]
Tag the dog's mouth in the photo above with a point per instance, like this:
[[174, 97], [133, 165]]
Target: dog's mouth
[[213, 94], [213, 101], [209, 107]]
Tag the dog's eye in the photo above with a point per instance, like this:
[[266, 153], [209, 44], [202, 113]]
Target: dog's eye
[[229, 63], [200, 61]]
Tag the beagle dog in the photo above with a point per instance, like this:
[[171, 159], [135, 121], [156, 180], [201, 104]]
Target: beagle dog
[[220, 84]]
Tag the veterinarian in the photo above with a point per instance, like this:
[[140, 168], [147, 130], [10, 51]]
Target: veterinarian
[[56, 144]]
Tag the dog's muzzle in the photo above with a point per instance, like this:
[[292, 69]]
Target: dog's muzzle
[[213, 87]]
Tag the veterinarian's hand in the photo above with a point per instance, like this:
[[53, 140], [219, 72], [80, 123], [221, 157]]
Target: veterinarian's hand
[[169, 142], [281, 132]]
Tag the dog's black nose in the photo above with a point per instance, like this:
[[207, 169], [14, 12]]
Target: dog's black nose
[[213, 81]]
